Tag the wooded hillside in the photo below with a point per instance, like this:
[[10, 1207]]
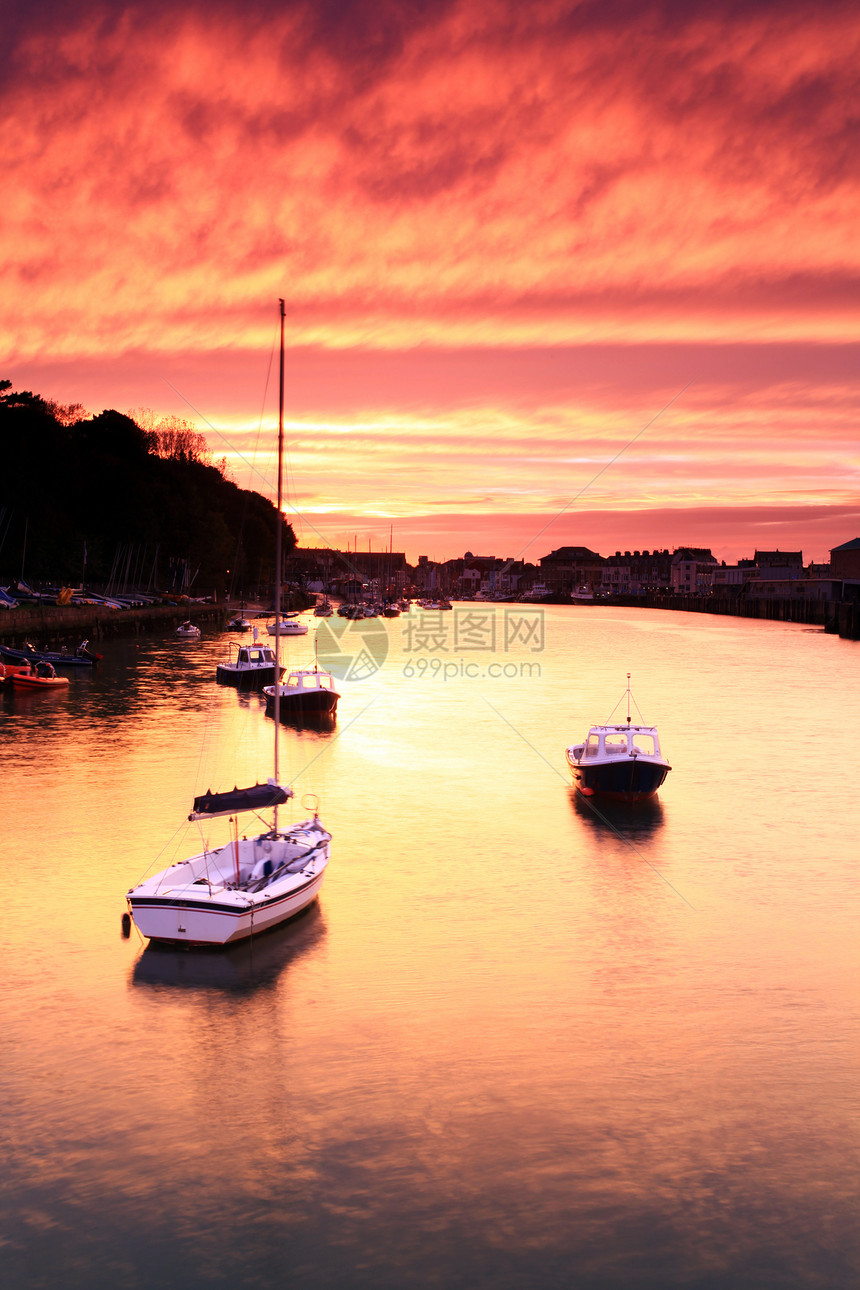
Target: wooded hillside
[[113, 499]]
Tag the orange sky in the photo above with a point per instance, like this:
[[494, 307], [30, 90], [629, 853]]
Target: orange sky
[[507, 235]]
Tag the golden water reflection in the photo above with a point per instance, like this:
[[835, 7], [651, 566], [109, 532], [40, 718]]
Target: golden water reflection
[[515, 1043]]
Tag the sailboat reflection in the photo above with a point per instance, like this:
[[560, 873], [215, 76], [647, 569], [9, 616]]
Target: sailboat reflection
[[634, 822], [239, 968]]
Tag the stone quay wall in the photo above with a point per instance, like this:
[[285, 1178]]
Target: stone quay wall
[[839, 617]]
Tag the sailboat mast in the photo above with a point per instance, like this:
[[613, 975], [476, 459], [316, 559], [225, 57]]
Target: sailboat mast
[[279, 556]]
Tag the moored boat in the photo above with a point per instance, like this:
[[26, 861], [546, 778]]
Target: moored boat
[[624, 761], [244, 887], [306, 692], [252, 667], [83, 656], [187, 630], [41, 676], [287, 627]]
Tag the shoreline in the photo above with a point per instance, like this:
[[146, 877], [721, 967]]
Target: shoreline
[[56, 625]]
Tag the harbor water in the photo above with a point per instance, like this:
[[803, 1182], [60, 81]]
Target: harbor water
[[518, 1042]]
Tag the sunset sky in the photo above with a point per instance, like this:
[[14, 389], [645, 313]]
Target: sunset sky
[[515, 240]]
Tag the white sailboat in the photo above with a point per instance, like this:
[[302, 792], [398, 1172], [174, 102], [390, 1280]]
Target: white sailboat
[[247, 885], [188, 630], [287, 626]]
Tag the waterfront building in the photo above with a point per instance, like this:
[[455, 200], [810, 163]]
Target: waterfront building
[[569, 567], [780, 560], [636, 574], [845, 560], [693, 570]]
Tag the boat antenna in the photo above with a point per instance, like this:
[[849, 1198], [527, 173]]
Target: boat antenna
[[628, 698], [278, 557]]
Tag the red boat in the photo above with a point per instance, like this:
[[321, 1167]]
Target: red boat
[[40, 677], [8, 670]]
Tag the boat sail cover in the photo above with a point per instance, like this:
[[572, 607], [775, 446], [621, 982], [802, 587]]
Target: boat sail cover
[[256, 798]]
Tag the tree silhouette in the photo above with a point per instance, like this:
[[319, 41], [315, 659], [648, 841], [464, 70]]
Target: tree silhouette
[[111, 484]]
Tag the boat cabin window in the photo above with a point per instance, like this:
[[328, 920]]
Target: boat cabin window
[[616, 744], [644, 744], [325, 682], [593, 746], [294, 681], [243, 656]]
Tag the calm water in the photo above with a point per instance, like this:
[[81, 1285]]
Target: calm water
[[514, 1045]]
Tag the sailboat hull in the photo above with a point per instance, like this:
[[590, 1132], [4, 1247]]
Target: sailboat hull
[[187, 922]]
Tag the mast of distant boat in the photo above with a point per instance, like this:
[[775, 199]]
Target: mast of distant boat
[[628, 698], [278, 557]]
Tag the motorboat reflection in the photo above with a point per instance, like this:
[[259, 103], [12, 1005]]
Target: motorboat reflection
[[632, 821]]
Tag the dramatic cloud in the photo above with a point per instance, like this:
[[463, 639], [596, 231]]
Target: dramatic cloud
[[548, 186]]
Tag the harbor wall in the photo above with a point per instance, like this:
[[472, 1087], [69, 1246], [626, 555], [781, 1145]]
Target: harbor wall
[[839, 617], [49, 626]]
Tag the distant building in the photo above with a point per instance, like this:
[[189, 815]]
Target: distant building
[[571, 566], [693, 570], [767, 588], [845, 560], [636, 573], [779, 559], [488, 576], [728, 579]]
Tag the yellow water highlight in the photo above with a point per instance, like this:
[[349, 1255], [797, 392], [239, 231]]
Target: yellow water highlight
[[513, 1041]]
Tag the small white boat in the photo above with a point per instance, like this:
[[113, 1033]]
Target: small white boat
[[188, 630], [624, 762], [536, 594], [238, 889], [239, 624], [287, 627], [252, 667], [307, 692], [323, 609]]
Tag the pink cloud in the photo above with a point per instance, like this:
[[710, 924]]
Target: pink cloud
[[477, 173], [507, 236]]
